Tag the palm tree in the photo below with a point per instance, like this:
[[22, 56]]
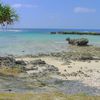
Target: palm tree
[[7, 15], [1, 10]]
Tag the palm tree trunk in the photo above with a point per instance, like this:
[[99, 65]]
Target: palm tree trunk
[[6, 27], [2, 27]]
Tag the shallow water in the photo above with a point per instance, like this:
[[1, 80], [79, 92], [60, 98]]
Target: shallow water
[[28, 41]]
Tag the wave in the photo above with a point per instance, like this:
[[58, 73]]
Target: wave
[[10, 30], [61, 42], [14, 30]]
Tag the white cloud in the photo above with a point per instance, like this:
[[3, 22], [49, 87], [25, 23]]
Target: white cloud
[[24, 6], [84, 10]]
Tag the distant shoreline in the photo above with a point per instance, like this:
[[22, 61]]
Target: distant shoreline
[[53, 30], [77, 33]]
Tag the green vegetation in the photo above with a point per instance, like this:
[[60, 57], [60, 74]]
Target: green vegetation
[[11, 71], [45, 96], [7, 15]]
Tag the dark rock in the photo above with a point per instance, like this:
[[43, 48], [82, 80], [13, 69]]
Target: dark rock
[[53, 32], [69, 66], [51, 68], [78, 73], [34, 68], [11, 62], [9, 90], [7, 62], [78, 42], [65, 70], [20, 62], [60, 32], [40, 68], [38, 62], [86, 57], [82, 73], [73, 74]]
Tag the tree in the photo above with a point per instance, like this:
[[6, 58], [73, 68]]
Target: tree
[[1, 10], [7, 15]]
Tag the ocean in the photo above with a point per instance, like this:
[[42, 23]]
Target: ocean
[[37, 41]]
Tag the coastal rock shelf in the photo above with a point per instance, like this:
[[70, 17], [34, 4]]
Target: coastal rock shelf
[[10, 62], [39, 68], [36, 68], [73, 72]]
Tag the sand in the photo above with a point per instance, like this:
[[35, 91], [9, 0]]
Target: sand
[[89, 68]]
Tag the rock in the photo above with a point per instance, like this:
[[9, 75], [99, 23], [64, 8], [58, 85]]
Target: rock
[[11, 62], [73, 74], [20, 62], [33, 68], [78, 73], [7, 62], [38, 62], [53, 32], [9, 90], [78, 42], [51, 68], [98, 71], [69, 66], [60, 32], [86, 57], [82, 42], [82, 73], [65, 70], [39, 68]]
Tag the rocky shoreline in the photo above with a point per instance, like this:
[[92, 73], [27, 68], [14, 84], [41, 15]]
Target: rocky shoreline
[[67, 72]]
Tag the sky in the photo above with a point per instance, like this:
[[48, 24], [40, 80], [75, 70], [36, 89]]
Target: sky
[[79, 14]]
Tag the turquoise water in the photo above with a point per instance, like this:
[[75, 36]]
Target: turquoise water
[[28, 41]]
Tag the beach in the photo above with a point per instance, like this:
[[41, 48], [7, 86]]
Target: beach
[[90, 69], [70, 71], [62, 72], [49, 50]]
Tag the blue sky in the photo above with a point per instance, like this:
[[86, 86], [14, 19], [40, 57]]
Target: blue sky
[[57, 13]]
